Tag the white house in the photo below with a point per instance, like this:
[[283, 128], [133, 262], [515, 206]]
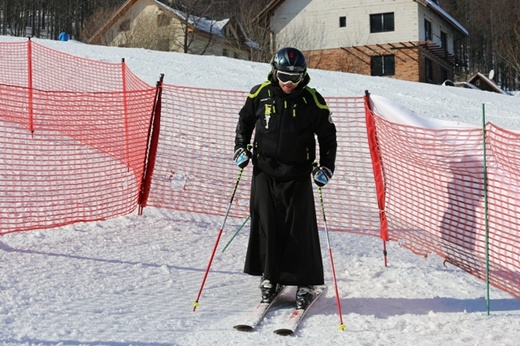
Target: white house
[[405, 39], [154, 25]]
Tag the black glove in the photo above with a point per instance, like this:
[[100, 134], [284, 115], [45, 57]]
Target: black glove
[[321, 175], [241, 157]]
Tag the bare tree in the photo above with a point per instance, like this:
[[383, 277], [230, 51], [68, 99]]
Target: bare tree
[[47, 18], [508, 45], [96, 21], [492, 43], [193, 17], [493, 38], [246, 11]]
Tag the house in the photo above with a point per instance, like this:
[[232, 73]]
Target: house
[[405, 39], [486, 83], [153, 25], [479, 81]]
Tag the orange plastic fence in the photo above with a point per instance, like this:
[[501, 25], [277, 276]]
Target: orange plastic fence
[[76, 134], [194, 170], [435, 196], [73, 137]]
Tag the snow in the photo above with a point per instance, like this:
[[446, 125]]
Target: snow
[[132, 280], [204, 24]]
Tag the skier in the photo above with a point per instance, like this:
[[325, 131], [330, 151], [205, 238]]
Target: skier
[[286, 114]]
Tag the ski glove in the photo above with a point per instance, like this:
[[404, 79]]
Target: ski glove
[[321, 175], [241, 157]]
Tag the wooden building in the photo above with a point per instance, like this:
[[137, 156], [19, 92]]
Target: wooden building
[[153, 25]]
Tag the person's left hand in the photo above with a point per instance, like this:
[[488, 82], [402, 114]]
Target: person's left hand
[[321, 175]]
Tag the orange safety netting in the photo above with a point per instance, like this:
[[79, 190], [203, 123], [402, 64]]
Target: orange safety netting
[[73, 134], [194, 170], [83, 140], [440, 197]]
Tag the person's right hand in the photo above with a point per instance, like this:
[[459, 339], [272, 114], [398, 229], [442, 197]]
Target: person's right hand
[[321, 175]]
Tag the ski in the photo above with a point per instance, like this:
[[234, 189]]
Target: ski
[[258, 313], [297, 315]]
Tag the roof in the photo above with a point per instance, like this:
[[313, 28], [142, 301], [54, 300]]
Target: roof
[[96, 38], [201, 24], [270, 7], [490, 85], [433, 5]]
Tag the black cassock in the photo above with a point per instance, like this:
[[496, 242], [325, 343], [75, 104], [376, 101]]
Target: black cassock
[[283, 215]]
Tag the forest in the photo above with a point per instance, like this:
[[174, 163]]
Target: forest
[[493, 25], [494, 39]]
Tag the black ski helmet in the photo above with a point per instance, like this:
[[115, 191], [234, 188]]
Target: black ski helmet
[[289, 59]]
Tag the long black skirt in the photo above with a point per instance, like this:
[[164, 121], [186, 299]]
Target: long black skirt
[[284, 243]]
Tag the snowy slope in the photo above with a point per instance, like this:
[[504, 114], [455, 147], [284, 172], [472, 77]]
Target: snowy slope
[[132, 280]]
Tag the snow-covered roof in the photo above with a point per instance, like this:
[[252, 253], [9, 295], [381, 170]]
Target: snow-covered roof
[[492, 85], [435, 6], [210, 26]]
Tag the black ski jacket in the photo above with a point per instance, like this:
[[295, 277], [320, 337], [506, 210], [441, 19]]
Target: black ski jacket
[[285, 128]]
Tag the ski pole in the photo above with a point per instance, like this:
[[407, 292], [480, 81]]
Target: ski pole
[[341, 324], [196, 302], [236, 233]]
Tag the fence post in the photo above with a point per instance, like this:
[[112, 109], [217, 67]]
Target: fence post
[[151, 150], [378, 172], [30, 85]]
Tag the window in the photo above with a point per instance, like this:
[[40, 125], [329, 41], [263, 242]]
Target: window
[[444, 40], [125, 25], [382, 22], [342, 21], [163, 19], [428, 69], [427, 30], [383, 65]]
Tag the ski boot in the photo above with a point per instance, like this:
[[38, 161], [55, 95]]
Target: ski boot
[[268, 290], [304, 296]]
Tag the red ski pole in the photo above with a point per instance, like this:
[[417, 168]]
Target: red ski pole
[[196, 302], [338, 302]]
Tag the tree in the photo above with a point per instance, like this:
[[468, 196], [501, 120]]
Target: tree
[[47, 18], [245, 11], [193, 15], [493, 25], [493, 38]]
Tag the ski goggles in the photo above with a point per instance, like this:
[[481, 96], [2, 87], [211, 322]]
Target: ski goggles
[[288, 77]]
